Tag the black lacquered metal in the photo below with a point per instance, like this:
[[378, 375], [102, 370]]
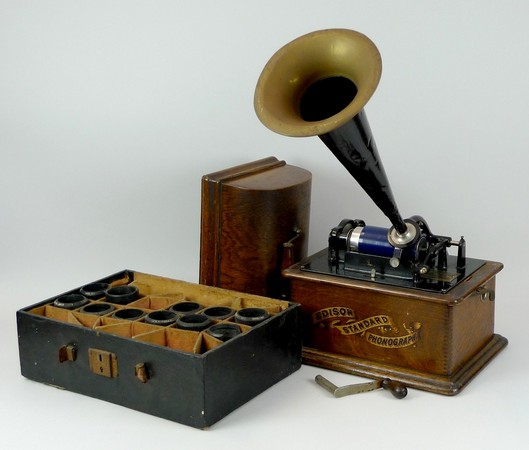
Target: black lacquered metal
[[354, 146], [360, 267]]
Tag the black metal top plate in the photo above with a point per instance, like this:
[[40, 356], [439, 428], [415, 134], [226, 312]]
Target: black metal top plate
[[437, 283]]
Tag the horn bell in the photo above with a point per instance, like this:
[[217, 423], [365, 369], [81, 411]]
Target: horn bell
[[327, 59]]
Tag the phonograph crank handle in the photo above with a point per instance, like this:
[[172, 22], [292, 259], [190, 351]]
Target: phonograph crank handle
[[397, 389]]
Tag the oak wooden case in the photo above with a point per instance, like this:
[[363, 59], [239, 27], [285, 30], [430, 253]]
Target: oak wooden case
[[427, 340]]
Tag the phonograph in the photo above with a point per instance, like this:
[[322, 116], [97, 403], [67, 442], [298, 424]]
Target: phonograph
[[397, 301]]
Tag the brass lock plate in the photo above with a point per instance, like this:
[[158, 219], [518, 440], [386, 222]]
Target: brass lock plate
[[103, 363]]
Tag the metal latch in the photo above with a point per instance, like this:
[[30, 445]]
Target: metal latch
[[142, 373], [68, 353]]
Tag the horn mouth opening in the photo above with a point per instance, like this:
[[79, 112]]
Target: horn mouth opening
[[317, 82], [326, 98]]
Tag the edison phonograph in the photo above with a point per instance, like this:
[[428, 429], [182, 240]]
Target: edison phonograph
[[378, 301], [335, 72]]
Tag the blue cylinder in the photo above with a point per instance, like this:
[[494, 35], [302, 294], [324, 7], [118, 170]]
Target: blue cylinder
[[374, 241]]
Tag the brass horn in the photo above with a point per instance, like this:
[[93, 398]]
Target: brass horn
[[318, 84]]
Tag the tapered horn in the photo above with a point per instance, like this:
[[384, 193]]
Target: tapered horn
[[318, 84]]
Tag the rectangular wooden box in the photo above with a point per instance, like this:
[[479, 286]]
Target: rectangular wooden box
[[185, 376], [432, 341]]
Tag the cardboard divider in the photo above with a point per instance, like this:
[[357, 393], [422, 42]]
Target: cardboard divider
[[39, 311], [207, 301], [154, 288], [159, 286], [52, 312], [209, 343], [272, 306], [87, 320], [120, 282], [157, 301], [156, 337], [127, 329], [188, 341], [182, 340]]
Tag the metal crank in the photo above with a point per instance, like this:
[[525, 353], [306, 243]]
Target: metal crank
[[397, 389]]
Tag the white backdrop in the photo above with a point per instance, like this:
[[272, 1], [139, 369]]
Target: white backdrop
[[111, 111]]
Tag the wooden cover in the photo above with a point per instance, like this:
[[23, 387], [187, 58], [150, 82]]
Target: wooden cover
[[248, 213]]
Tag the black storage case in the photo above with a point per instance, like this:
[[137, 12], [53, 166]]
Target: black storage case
[[185, 376]]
